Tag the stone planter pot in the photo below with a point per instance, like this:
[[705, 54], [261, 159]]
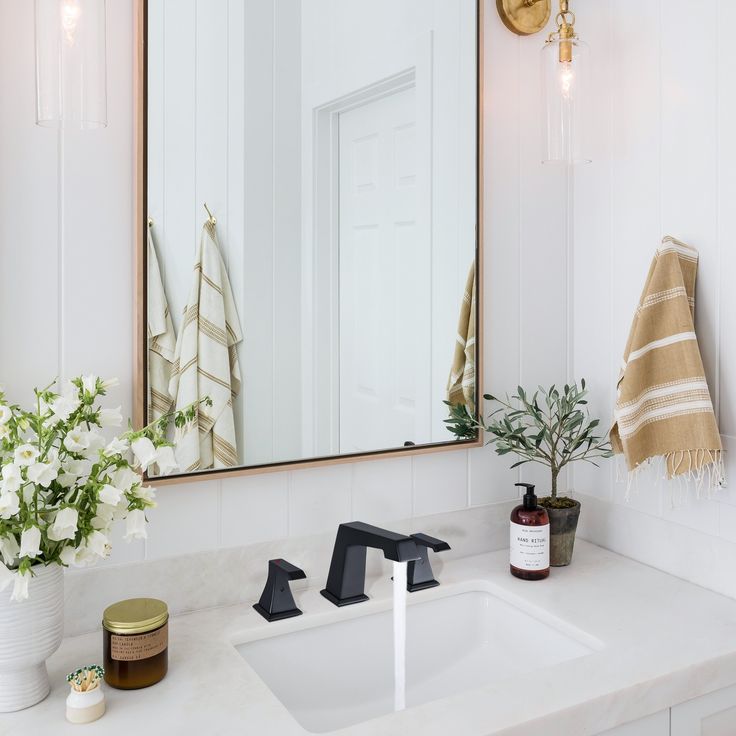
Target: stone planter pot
[[30, 632], [563, 524]]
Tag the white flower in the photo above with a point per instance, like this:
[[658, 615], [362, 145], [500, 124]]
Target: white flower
[[6, 577], [110, 383], [42, 474], [65, 524], [104, 517], [147, 494], [9, 505], [77, 440], [20, 587], [5, 414], [68, 555], [9, 548], [135, 526], [98, 543], [4, 431], [30, 542], [80, 468], [110, 495], [66, 480], [165, 460], [95, 442], [116, 447], [144, 452], [11, 478], [25, 454], [111, 417], [125, 478], [89, 384], [63, 407]]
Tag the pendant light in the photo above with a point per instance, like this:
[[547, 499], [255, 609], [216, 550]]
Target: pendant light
[[565, 61], [71, 69]]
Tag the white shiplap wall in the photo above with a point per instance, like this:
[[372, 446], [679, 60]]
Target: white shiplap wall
[[66, 236], [665, 163]]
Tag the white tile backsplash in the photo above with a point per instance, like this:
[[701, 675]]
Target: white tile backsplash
[[440, 482], [186, 519], [382, 490], [254, 509], [319, 499]]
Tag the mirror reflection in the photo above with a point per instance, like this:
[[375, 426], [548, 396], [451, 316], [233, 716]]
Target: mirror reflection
[[312, 200]]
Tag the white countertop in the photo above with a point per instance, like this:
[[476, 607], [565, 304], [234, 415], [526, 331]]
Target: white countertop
[[663, 640]]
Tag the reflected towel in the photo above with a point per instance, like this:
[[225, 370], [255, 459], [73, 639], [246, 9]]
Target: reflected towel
[[663, 406], [206, 363], [461, 385], [161, 340]]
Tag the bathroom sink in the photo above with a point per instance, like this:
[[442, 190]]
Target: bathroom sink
[[340, 674]]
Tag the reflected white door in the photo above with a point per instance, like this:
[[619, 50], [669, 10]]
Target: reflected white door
[[385, 276]]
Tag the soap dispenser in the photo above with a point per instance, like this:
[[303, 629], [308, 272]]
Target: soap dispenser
[[529, 539]]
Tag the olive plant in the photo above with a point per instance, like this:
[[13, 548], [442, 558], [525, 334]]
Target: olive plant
[[552, 428]]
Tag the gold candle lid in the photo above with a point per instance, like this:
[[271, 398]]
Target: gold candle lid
[[135, 616]]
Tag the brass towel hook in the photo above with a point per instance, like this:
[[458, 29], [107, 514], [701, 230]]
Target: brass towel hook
[[213, 219]]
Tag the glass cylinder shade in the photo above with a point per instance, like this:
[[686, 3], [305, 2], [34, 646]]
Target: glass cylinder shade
[[565, 69], [71, 69]]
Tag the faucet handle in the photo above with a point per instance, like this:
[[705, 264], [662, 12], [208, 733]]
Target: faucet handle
[[419, 574], [277, 602], [424, 540]]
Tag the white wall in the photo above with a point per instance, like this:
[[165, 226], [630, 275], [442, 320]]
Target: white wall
[[665, 163]]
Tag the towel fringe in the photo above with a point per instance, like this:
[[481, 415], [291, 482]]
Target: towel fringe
[[703, 470]]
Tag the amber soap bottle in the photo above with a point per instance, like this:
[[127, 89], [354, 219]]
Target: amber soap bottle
[[529, 538]]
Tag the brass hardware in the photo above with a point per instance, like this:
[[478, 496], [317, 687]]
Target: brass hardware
[[213, 219], [524, 17], [565, 33]]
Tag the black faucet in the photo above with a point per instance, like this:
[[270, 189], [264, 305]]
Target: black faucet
[[276, 601], [419, 574], [346, 579]]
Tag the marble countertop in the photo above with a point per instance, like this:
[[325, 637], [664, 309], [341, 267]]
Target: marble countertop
[[663, 641]]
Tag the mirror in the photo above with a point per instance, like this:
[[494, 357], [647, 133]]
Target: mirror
[[308, 232]]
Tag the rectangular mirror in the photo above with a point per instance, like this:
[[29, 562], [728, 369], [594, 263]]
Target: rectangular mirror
[[308, 235]]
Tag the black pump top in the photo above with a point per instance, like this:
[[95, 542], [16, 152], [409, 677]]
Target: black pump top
[[530, 498]]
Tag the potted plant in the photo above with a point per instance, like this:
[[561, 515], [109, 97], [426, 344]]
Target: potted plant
[[553, 428], [63, 486]]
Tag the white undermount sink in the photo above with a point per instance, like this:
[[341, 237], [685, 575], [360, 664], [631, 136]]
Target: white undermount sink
[[340, 674]]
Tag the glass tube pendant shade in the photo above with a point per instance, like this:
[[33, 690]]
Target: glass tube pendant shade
[[565, 69], [71, 69]]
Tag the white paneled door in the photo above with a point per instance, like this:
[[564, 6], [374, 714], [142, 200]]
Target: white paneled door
[[385, 277]]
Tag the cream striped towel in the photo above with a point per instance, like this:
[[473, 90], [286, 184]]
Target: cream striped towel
[[461, 385], [161, 340], [206, 363], [663, 406]]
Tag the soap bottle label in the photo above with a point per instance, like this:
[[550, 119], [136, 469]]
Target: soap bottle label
[[529, 546]]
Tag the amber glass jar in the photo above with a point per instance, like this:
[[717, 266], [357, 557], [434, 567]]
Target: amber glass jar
[[135, 643]]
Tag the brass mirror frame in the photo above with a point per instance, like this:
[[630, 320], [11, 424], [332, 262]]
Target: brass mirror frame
[[140, 352]]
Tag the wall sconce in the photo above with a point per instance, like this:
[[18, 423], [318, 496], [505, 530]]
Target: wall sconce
[[71, 69], [564, 76]]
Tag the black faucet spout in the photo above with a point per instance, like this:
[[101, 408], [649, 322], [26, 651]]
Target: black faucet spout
[[346, 579]]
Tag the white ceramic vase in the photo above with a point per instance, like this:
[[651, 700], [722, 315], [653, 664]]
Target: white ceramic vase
[[30, 632]]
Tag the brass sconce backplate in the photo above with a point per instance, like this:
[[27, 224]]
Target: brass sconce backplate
[[524, 16]]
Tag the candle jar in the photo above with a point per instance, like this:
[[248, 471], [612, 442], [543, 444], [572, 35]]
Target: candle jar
[[135, 643]]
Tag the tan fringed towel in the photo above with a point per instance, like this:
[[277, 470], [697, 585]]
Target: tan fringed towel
[[663, 406], [461, 385], [206, 363], [161, 340]]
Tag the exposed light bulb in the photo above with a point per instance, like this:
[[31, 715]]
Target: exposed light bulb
[[70, 12], [567, 79]]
